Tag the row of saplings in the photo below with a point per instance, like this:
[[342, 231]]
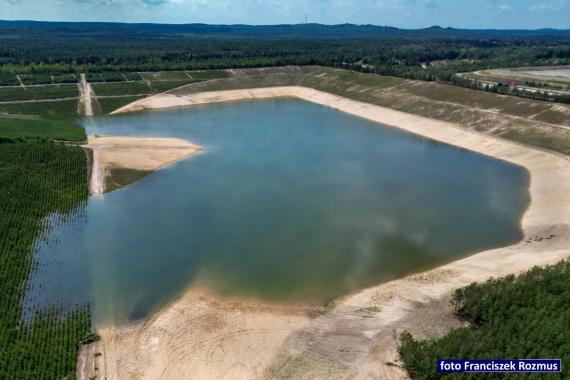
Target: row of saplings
[[37, 180]]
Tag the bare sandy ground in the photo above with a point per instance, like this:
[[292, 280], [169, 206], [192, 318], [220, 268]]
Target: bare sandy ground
[[137, 153], [203, 337], [86, 97]]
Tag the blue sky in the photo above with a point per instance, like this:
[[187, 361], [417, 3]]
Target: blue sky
[[505, 14]]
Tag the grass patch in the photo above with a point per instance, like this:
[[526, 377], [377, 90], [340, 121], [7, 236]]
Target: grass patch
[[36, 79], [159, 86], [39, 130], [132, 76], [93, 77], [121, 88], [512, 317], [37, 93], [542, 138], [66, 78], [165, 75], [207, 75], [136, 88], [8, 80], [109, 105], [121, 177], [112, 77], [55, 109]]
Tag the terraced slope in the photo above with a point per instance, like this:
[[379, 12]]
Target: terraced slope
[[540, 124]]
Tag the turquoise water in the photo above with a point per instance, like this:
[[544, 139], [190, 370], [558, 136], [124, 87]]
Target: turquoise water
[[290, 202]]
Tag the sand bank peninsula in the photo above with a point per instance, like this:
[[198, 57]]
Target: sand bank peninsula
[[118, 161], [356, 337]]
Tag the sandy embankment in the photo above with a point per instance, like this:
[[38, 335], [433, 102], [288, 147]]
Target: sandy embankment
[[201, 337], [142, 154]]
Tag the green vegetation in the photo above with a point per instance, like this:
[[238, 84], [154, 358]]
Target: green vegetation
[[121, 88], [42, 183], [8, 80], [137, 88], [36, 79], [165, 75], [162, 86], [104, 77], [133, 76], [208, 75], [105, 51], [37, 181], [121, 177], [109, 105], [37, 93], [52, 109], [39, 130], [111, 76], [512, 317], [65, 78]]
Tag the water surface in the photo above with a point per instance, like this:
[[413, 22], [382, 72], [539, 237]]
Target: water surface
[[291, 201]]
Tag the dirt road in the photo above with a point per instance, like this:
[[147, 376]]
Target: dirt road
[[86, 96]]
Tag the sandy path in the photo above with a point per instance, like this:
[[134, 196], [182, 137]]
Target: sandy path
[[96, 180], [357, 337], [20, 80], [137, 153], [86, 95]]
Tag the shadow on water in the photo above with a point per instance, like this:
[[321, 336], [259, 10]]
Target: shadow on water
[[290, 202]]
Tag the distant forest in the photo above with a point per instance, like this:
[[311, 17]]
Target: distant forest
[[434, 54]]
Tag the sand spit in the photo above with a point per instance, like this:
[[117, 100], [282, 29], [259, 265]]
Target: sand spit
[[203, 337], [134, 153]]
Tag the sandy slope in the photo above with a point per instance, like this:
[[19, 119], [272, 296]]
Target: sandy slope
[[138, 153], [201, 337]]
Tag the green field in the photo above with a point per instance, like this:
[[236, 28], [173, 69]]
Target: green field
[[137, 88], [36, 93], [29, 130], [66, 78], [133, 76], [36, 79], [513, 317], [55, 109], [8, 80], [109, 105], [121, 88], [162, 86], [208, 75], [165, 75]]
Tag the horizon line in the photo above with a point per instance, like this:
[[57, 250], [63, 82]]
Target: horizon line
[[285, 24]]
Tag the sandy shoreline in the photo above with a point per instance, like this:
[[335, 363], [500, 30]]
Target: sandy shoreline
[[143, 154], [357, 337]]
